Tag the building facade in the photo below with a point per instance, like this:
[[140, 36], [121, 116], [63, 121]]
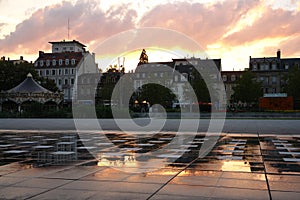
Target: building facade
[[67, 61], [271, 71], [174, 75], [229, 79]]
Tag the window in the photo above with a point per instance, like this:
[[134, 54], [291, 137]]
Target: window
[[41, 72], [264, 66], [274, 79], [176, 78], [60, 62], [73, 61], [233, 77], [143, 75], [224, 77], [59, 72], [73, 71], [138, 75], [48, 62], [53, 62], [274, 66], [41, 63], [53, 72], [72, 81], [66, 81], [36, 63], [59, 81], [183, 77], [286, 66], [67, 62], [254, 66], [66, 71], [47, 72], [71, 48]]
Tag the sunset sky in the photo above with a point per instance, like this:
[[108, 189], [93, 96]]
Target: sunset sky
[[231, 30]]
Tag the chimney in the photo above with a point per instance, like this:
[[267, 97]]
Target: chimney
[[278, 54], [21, 57], [41, 53]]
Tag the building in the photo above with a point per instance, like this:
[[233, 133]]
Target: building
[[175, 74], [15, 62], [229, 79], [67, 61], [271, 71]]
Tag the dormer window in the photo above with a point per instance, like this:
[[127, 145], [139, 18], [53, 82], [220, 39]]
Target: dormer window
[[60, 62], [254, 66], [73, 61], [53, 62], [41, 63], [48, 62], [36, 63], [67, 62]]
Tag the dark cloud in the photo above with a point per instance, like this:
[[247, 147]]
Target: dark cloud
[[87, 22]]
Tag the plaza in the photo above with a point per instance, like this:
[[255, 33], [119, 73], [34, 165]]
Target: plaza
[[251, 159]]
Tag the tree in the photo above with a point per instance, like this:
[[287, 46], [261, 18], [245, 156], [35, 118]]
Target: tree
[[293, 82], [156, 94], [200, 87], [11, 75], [247, 89]]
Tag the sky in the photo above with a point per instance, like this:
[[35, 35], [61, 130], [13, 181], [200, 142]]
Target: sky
[[231, 30]]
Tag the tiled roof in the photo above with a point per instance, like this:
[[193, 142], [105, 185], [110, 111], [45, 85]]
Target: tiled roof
[[57, 56]]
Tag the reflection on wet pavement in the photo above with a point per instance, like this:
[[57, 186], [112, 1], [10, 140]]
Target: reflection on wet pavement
[[241, 163]]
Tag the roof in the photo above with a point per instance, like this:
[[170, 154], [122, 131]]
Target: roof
[[62, 55], [72, 41], [29, 85], [155, 67], [265, 59]]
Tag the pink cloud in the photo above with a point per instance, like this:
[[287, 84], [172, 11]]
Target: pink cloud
[[273, 23], [204, 24], [87, 22]]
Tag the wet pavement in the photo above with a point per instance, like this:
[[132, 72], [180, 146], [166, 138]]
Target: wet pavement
[[118, 165]]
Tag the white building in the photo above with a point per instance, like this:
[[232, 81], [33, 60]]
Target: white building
[[64, 64]]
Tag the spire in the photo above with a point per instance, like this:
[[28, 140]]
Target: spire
[[143, 57]]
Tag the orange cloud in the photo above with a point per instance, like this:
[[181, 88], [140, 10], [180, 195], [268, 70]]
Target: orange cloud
[[87, 22], [226, 26]]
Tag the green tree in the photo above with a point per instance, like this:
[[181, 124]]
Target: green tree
[[156, 94], [293, 81], [200, 87], [247, 89], [11, 75]]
